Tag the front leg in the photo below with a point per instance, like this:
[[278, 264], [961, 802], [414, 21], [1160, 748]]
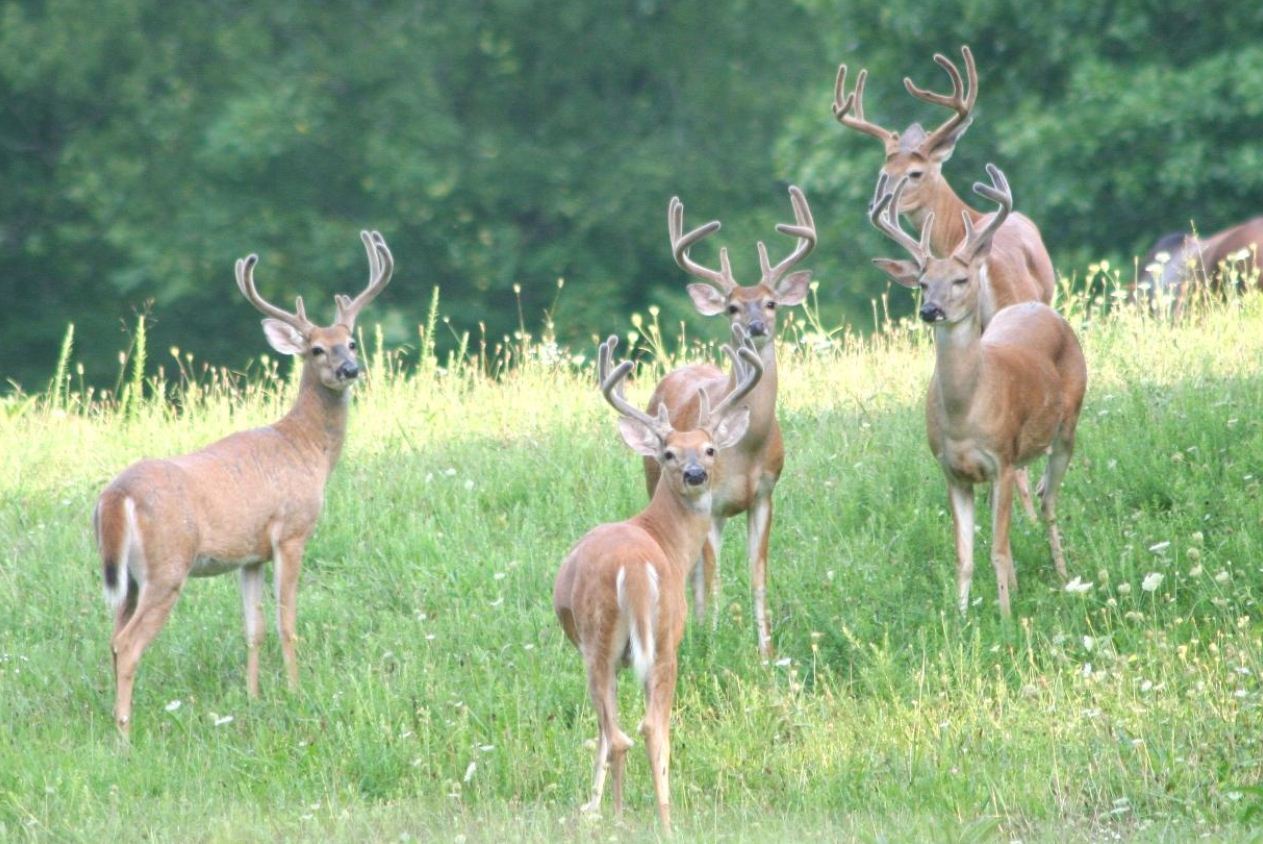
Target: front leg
[[961, 497], [758, 530], [287, 562]]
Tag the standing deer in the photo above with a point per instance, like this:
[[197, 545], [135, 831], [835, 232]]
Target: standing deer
[[748, 472], [999, 397], [919, 156], [251, 497], [1193, 260], [620, 592]]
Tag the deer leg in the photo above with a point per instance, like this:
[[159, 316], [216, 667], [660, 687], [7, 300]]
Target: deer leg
[[127, 608], [1001, 553], [153, 605], [705, 574], [287, 562], [758, 529], [961, 498], [656, 728], [1049, 486], [1023, 479], [611, 742], [252, 606]]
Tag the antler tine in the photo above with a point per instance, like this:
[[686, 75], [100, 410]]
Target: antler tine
[[244, 269], [804, 230], [961, 100], [680, 244], [849, 108], [999, 193], [611, 384], [748, 366], [885, 216], [381, 265]]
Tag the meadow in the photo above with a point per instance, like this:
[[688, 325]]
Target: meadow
[[440, 701]]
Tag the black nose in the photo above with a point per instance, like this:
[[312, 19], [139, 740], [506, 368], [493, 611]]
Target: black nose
[[348, 370], [695, 476], [931, 313], [757, 328]]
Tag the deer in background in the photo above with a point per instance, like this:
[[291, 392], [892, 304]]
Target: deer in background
[[919, 156], [1000, 396], [620, 594], [251, 497], [748, 472], [1196, 260]]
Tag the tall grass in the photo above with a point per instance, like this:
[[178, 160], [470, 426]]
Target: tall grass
[[441, 702]]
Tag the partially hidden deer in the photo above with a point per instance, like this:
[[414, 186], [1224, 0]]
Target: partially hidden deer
[[251, 497], [748, 472], [620, 592], [919, 156], [1193, 260], [1000, 396]]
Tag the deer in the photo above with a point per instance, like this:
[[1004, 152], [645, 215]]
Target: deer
[[748, 471], [620, 592], [252, 497], [919, 155], [1000, 396], [1193, 259]]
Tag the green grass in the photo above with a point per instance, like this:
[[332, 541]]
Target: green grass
[[440, 700]]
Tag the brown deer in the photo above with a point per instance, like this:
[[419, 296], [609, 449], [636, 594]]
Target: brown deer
[[1000, 396], [1197, 260], [749, 471], [251, 497], [620, 592], [919, 156]]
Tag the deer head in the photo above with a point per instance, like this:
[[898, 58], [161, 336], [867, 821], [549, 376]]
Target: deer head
[[329, 350], [949, 286], [687, 458], [914, 153], [752, 308]]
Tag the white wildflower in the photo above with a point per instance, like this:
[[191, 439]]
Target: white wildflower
[[1152, 581], [173, 705], [1078, 586]]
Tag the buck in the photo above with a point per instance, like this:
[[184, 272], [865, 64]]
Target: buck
[[251, 497], [620, 593], [748, 472], [999, 397], [919, 156]]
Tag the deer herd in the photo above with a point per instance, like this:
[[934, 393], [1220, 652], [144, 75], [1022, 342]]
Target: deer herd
[[1007, 388]]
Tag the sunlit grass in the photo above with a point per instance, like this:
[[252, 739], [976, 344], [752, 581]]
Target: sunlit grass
[[441, 700]]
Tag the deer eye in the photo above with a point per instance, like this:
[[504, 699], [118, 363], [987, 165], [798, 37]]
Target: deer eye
[[959, 280], [352, 345], [732, 309], [317, 351], [924, 286], [710, 451], [913, 175], [669, 456], [771, 305]]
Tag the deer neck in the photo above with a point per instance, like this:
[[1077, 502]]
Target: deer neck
[[949, 228], [678, 524], [317, 421], [761, 400], [958, 366]]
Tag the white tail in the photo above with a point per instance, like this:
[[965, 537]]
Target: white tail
[[640, 621]]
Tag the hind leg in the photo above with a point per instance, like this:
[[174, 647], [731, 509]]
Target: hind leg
[[706, 575], [1049, 486], [656, 728], [1001, 553], [153, 605], [252, 606], [611, 742]]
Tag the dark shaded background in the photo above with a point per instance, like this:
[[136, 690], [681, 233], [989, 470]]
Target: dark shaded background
[[144, 145]]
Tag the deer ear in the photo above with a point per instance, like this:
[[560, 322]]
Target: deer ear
[[947, 146], [707, 299], [732, 427], [793, 289], [638, 438], [903, 272], [284, 337]]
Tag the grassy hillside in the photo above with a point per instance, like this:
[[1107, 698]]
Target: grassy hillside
[[441, 700]]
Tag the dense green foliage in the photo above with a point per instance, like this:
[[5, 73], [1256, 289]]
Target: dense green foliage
[[145, 145], [440, 698]]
